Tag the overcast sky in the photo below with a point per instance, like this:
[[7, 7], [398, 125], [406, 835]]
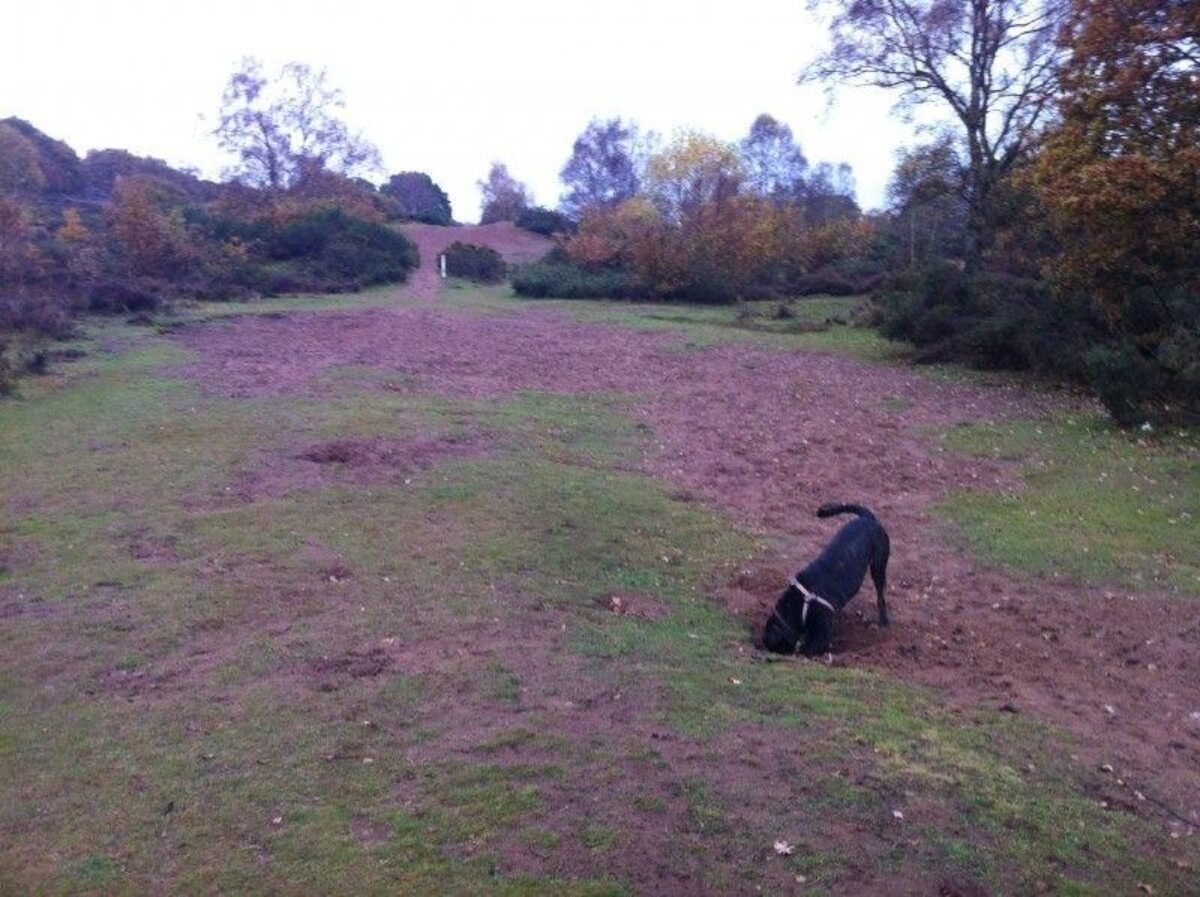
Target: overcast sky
[[443, 87]]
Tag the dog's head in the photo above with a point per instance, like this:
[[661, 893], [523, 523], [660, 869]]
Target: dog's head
[[784, 627]]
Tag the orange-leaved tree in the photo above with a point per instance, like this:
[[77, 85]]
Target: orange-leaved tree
[[146, 237], [1119, 178]]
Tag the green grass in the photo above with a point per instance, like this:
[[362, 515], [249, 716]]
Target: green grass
[[159, 714], [1096, 505], [821, 323]]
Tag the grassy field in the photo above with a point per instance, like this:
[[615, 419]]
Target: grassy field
[[413, 682], [1134, 499]]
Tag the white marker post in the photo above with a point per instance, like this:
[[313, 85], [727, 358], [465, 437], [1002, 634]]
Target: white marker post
[[442, 262]]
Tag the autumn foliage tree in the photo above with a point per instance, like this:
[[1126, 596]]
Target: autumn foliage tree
[[1120, 180], [18, 255], [700, 230], [145, 236], [284, 127], [19, 168], [504, 197]]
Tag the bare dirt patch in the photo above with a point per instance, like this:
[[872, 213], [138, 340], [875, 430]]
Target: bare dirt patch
[[330, 673], [286, 471], [768, 436], [380, 452]]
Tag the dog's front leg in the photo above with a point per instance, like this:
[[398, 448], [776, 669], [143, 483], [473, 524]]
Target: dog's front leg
[[818, 635]]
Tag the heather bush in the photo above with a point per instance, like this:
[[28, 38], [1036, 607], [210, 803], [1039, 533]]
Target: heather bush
[[479, 263], [546, 222], [417, 197], [339, 251], [561, 279], [36, 314]]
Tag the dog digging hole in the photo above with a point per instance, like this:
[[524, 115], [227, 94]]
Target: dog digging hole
[[752, 593]]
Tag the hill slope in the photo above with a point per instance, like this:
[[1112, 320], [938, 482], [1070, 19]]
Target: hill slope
[[516, 245]]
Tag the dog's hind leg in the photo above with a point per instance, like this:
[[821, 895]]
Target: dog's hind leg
[[879, 575]]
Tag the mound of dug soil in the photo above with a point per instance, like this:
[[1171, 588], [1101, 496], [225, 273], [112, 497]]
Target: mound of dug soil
[[379, 452]]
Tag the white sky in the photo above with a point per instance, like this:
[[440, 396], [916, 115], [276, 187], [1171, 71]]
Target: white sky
[[440, 87]]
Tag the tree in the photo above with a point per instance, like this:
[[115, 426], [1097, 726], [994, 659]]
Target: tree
[[1120, 179], [282, 129], [504, 197], [692, 171], [925, 194], [102, 168], [602, 170], [828, 194], [18, 255], [19, 169], [774, 164], [146, 238], [57, 162], [993, 64], [419, 197]]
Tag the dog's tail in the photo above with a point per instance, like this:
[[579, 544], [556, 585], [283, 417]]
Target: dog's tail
[[832, 510]]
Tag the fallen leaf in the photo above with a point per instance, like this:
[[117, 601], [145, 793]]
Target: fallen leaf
[[784, 849], [278, 820], [898, 815]]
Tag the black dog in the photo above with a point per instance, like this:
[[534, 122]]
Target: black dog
[[805, 611]]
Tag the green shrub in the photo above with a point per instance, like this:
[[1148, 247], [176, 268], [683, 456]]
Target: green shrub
[[119, 296], [1152, 374], [417, 197], [479, 263], [6, 372], [558, 279], [827, 282], [1149, 370], [544, 221], [997, 322], [340, 251], [40, 315]]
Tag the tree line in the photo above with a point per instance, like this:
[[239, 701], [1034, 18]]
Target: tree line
[[1051, 224]]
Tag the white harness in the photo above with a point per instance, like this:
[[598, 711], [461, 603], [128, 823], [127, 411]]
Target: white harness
[[809, 598]]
